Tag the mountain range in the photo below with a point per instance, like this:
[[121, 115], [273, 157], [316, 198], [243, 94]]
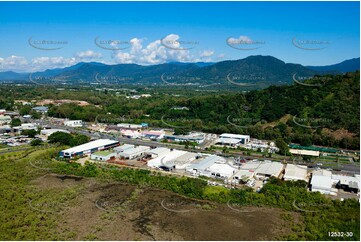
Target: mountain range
[[253, 71]]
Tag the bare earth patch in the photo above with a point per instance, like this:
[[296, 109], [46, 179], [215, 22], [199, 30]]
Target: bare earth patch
[[115, 211]]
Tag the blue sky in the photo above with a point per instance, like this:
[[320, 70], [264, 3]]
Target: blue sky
[[309, 33]]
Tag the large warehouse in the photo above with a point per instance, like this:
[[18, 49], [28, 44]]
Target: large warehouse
[[88, 148], [232, 139]]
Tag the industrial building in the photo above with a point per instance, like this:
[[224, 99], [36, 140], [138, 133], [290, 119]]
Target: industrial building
[[321, 181], [131, 134], [244, 175], [261, 169], [26, 126], [314, 153], [347, 183], [295, 173], [232, 139], [153, 134], [201, 166], [122, 148], [183, 161], [191, 137], [132, 126], [157, 152], [133, 153], [162, 156], [73, 123], [88, 148], [221, 170], [269, 169], [5, 119], [41, 109], [102, 156]]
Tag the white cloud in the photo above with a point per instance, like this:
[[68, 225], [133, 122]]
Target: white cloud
[[170, 48], [14, 63], [21, 64], [241, 40], [207, 53], [151, 53], [89, 54]]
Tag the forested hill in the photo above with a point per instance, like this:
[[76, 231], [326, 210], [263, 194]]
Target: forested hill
[[321, 111], [252, 72]]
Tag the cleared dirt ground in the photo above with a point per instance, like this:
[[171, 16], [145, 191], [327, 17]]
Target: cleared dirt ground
[[114, 211]]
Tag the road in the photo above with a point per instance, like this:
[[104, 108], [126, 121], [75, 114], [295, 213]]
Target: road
[[343, 168]]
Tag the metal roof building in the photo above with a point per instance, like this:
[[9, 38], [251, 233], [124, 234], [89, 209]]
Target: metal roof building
[[201, 167], [295, 172], [164, 156], [133, 152], [322, 182], [244, 175], [268, 168], [221, 170], [123, 148], [102, 155], [91, 147], [183, 161], [305, 152]]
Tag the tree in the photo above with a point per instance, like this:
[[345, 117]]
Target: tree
[[15, 122], [306, 140], [60, 137], [36, 142], [282, 145], [79, 139], [29, 132]]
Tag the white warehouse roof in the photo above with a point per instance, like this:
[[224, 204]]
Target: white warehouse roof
[[158, 151], [165, 157], [269, 168], [244, 174], [234, 136], [91, 145], [321, 181], [207, 162], [134, 151], [305, 152], [295, 172], [224, 170], [123, 147], [227, 141]]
